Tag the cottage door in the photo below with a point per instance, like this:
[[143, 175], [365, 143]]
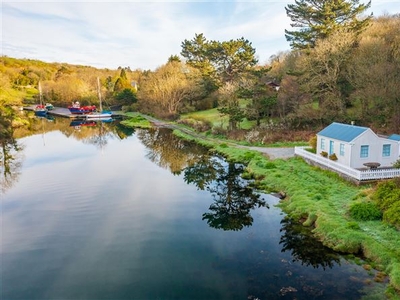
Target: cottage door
[[331, 148]]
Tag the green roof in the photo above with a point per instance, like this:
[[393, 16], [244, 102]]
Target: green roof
[[342, 132]]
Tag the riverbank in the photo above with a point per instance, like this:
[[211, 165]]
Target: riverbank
[[319, 199]]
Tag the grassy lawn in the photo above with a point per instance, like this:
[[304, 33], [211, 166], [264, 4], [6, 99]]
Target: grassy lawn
[[210, 115], [136, 120], [216, 119]]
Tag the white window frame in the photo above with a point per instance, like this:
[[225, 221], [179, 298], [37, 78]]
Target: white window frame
[[386, 150], [364, 151], [341, 151]]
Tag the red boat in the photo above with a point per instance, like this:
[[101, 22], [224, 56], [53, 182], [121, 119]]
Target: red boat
[[77, 109]]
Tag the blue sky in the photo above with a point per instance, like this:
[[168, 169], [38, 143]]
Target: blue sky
[[142, 34]]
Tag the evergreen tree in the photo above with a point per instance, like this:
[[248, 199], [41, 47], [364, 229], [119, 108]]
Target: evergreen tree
[[123, 75], [318, 19], [122, 82], [229, 60], [173, 58]]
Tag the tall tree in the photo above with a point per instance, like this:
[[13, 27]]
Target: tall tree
[[197, 54], [374, 72], [170, 85], [322, 73], [229, 104], [122, 82], [318, 19], [174, 58], [228, 59], [233, 58], [263, 98]]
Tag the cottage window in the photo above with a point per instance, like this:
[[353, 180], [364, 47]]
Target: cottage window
[[322, 144], [386, 150], [364, 151], [341, 152]]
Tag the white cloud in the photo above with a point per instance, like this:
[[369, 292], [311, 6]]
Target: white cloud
[[141, 34]]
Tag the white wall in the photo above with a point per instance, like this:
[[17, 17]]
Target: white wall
[[342, 159], [375, 144], [352, 150]]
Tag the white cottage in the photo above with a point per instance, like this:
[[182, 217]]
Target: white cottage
[[355, 146]]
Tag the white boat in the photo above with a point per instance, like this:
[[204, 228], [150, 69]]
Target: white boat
[[101, 114]]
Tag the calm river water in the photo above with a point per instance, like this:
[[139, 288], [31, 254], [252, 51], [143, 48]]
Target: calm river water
[[103, 212]]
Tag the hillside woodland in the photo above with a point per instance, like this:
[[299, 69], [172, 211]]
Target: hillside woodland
[[344, 77]]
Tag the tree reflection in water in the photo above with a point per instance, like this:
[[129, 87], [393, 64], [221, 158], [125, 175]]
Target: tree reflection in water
[[233, 198], [232, 195], [304, 247], [10, 158], [169, 151]]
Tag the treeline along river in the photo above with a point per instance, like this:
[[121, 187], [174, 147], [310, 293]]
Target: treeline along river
[[99, 211]]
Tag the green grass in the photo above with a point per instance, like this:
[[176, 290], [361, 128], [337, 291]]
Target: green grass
[[136, 120], [16, 97], [216, 119], [210, 115]]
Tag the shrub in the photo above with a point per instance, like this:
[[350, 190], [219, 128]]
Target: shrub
[[311, 150], [392, 215], [269, 165], [219, 131], [397, 164], [324, 154], [333, 157], [247, 156], [252, 136], [353, 225], [198, 124], [387, 195], [313, 143], [365, 211], [310, 220]]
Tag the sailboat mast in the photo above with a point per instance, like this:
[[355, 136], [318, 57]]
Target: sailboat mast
[[40, 94], [99, 93]]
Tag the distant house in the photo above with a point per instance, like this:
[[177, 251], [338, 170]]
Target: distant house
[[357, 147], [273, 85]]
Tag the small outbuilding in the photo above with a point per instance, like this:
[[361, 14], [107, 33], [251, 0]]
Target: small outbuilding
[[358, 147]]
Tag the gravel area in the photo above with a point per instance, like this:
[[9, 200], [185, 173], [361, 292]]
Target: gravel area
[[275, 153]]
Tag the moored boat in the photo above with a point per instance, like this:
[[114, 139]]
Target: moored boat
[[40, 109], [101, 114], [77, 109], [49, 106]]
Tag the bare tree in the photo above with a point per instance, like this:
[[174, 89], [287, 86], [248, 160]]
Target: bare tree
[[170, 85]]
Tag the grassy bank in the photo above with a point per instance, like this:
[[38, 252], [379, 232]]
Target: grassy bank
[[321, 199], [136, 120]]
